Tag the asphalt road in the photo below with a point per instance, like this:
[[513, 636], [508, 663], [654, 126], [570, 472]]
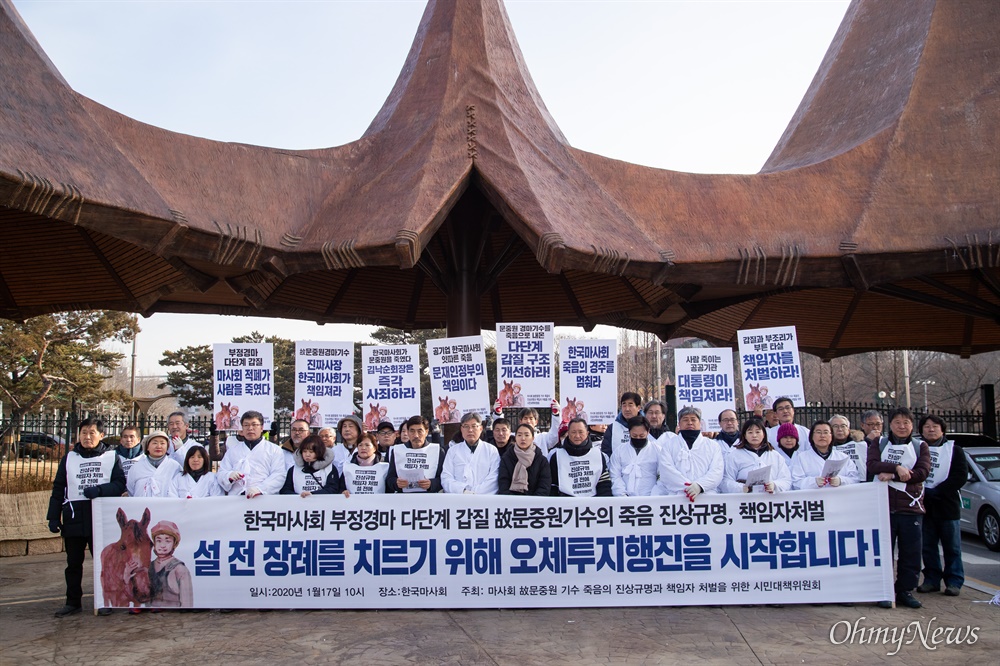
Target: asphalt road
[[980, 562]]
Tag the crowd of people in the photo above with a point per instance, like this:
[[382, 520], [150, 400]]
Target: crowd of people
[[635, 456]]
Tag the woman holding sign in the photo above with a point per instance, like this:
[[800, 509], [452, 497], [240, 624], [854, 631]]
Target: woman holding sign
[[904, 463], [822, 465], [524, 469], [752, 465], [415, 465], [578, 468], [364, 473], [313, 472]]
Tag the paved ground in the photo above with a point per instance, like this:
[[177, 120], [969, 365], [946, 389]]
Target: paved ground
[[31, 589]]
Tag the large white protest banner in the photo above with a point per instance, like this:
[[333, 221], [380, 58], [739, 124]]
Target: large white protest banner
[[770, 366], [390, 384], [705, 380], [470, 551], [588, 380], [525, 360], [459, 383], [243, 377], [324, 382]]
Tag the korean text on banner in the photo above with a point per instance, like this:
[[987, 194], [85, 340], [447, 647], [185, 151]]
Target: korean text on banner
[[525, 360], [390, 384], [459, 384], [324, 382], [465, 551], [243, 377], [770, 367], [588, 380], [705, 380]]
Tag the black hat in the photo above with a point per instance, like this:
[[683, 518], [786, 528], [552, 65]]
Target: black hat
[[385, 425]]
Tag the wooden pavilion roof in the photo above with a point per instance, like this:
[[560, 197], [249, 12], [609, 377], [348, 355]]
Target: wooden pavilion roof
[[875, 223]]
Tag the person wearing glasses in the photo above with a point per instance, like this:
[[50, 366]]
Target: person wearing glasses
[[785, 410], [471, 466], [254, 466], [729, 430], [290, 445], [850, 442]]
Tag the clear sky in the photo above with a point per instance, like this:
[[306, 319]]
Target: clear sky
[[704, 86]]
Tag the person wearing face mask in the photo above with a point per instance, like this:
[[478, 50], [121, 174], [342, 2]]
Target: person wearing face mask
[[808, 464], [364, 473], [689, 463], [729, 433], [524, 469], [617, 433], [153, 474], [753, 451], [904, 463], [578, 467], [656, 415], [633, 468]]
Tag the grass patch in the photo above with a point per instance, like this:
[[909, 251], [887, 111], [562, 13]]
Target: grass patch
[[24, 483]]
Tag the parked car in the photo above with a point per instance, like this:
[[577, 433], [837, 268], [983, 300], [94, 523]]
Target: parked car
[[981, 496], [971, 440], [41, 445]]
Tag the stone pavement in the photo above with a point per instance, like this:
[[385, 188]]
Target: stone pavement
[[31, 589]]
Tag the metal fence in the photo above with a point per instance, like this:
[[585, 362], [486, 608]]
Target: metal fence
[[39, 442]]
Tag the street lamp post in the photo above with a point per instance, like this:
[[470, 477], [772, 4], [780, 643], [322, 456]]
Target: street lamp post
[[926, 383]]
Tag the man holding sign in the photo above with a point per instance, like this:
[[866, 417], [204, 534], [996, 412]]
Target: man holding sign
[[415, 466]]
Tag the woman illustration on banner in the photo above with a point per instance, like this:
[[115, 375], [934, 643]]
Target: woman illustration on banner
[[169, 579]]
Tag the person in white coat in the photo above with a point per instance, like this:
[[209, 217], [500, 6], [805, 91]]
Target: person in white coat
[[153, 473], [633, 468], [254, 466], [753, 451], [196, 478], [689, 462], [471, 466], [808, 463]]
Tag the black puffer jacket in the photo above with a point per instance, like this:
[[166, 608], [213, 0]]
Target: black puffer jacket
[[75, 517], [539, 473]]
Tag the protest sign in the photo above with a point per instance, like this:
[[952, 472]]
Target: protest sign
[[459, 384], [324, 382], [390, 384], [243, 377], [525, 359], [491, 551], [588, 380], [705, 380], [770, 366]]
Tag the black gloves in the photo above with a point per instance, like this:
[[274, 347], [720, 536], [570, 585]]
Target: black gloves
[[212, 430], [54, 526], [92, 492]]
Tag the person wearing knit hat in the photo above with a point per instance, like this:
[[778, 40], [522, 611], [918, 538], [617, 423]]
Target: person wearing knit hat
[[349, 428], [784, 408], [169, 580], [788, 441], [152, 475]]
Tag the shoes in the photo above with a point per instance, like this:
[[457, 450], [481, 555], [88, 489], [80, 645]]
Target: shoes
[[135, 610], [67, 610], [104, 612], [885, 604], [907, 599], [929, 587], [952, 591]]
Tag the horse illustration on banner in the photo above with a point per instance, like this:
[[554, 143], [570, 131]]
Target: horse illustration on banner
[[134, 545]]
